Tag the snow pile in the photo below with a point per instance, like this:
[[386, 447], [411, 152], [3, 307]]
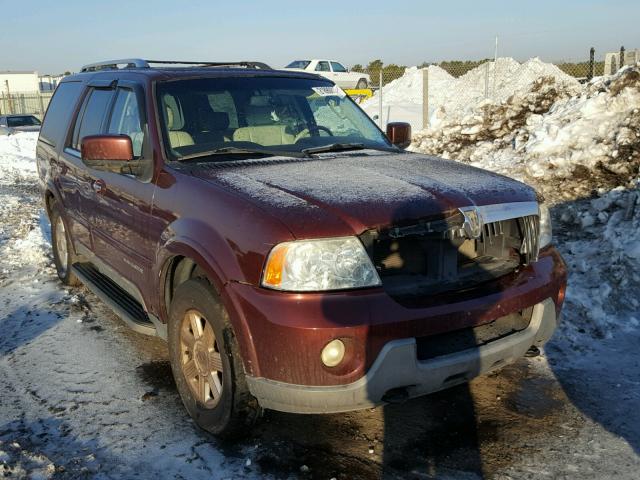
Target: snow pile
[[17, 158], [450, 98], [408, 89], [402, 98], [493, 83], [544, 132], [600, 241]]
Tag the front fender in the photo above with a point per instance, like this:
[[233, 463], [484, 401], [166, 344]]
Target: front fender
[[220, 269]]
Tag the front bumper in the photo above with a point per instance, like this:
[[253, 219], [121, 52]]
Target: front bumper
[[397, 367]]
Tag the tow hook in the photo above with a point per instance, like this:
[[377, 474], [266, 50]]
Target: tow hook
[[396, 396], [532, 352]]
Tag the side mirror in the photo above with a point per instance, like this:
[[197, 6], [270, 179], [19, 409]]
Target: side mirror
[[399, 133], [107, 148]]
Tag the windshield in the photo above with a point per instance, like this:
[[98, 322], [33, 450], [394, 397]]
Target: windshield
[[301, 64], [270, 114], [23, 121]]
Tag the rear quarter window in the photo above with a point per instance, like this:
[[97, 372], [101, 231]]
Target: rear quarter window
[[59, 113]]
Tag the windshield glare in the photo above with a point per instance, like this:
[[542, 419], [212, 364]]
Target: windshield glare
[[270, 114], [25, 121]]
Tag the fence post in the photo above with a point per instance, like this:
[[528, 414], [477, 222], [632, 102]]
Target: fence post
[[9, 96], [425, 98], [486, 79], [592, 56], [380, 95], [621, 62]]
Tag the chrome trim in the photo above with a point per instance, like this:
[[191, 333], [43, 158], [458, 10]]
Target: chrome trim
[[527, 214], [507, 211], [473, 222]]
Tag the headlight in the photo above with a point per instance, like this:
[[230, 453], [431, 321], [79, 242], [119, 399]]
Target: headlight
[[545, 226], [316, 265]]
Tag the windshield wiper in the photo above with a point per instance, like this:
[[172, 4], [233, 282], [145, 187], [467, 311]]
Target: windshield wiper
[[334, 147], [243, 151]]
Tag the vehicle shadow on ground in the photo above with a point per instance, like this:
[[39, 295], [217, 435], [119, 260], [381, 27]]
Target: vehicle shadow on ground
[[603, 385], [24, 325], [599, 370], [46, 448], [434, 436]]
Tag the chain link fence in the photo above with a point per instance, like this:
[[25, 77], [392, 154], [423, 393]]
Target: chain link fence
[[34, 103], [419, 94]]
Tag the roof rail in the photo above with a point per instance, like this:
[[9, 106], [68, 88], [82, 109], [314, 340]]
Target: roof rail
[[113, 64], [140, 63]]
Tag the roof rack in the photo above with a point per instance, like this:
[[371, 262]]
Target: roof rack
[[141, 63]]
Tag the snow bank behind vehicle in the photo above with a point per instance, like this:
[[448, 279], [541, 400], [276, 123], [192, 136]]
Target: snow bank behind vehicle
[[17, 158], [451, 98]]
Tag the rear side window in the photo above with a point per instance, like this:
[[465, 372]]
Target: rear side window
[[323, 67], [302, 64], [125, 119], [59, 112], [91, 120]]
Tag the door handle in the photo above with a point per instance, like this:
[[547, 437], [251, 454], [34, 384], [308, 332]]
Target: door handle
[[99, 187]]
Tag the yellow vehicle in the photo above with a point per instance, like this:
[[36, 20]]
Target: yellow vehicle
[[359, 95]]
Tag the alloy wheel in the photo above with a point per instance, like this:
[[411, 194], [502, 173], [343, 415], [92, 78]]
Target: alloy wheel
[[201, 360]]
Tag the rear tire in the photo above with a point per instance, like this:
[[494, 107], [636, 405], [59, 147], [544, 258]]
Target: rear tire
[[206, 362], [362, 84], [62, 247]]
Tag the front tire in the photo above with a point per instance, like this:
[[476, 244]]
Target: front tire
[[62, 248], [206, 362]]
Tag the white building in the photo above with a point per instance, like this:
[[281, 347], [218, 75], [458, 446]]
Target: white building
[[19, 82], [612, 60], [48, 83]]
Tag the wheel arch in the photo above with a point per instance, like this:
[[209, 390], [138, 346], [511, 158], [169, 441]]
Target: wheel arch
[[183, 260]]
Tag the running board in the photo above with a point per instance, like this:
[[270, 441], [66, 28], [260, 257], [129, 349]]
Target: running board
[[123, 304]]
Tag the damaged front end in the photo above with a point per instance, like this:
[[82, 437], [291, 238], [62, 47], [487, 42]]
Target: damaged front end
[[457, 252]]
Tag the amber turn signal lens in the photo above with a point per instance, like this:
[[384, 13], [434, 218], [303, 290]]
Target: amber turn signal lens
[[275, 264]]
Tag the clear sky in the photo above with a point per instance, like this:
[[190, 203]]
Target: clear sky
[[55, 36]]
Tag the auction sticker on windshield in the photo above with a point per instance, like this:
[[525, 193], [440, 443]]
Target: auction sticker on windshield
[[333, 91]]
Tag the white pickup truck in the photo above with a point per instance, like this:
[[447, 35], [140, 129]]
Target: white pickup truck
[[334, 71]]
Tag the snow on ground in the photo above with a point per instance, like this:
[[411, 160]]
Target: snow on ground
[[450, 98], [17, 154]]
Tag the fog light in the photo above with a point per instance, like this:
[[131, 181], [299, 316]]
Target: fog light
[[333, 353]]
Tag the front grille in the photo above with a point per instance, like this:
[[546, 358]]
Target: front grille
[[530, 228], [438, 256], [474, 337]]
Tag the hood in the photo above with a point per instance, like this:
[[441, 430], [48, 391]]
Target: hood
[[349, 193]]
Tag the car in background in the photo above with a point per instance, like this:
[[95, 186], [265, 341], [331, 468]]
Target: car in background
[[334, 71], [19, 123]]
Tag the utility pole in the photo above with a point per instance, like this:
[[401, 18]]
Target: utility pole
[[495, 65]]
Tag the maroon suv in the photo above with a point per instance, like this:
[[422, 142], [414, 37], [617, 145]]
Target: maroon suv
[[292, 256]]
